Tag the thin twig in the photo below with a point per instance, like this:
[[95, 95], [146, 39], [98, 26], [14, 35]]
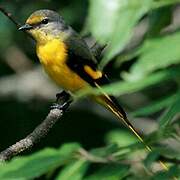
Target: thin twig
[[96, 159], [34, 137], [90, 157], [9, 15]]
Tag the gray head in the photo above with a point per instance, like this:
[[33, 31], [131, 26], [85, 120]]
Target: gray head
[[44, 23]]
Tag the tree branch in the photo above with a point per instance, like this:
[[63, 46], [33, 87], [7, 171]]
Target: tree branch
[[38, 133], [9, 15]]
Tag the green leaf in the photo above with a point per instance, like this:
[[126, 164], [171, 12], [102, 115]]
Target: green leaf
[[156, 106], [112, 22], [73, 171], [122, 87], [38, 163], [120, 137], [152, 157], [105, 151], [161, 3], [110, 172], [168, 116], [156, 53], [69, 148], [173, 173], [167, 152], [158, 19]]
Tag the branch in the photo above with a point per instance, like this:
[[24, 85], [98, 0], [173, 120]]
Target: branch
[[9, 15], [34, 137], [92, 158], [38, 133]]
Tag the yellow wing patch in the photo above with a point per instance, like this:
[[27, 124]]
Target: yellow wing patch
[[92, 73]]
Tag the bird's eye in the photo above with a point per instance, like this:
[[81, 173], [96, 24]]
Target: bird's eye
[[45, 21]]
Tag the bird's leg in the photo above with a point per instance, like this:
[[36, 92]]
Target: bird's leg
[[63, 100]]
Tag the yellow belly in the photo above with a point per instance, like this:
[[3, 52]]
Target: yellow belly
[[53, 56]]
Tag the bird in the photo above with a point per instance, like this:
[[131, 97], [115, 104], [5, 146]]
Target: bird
[[69, 62]]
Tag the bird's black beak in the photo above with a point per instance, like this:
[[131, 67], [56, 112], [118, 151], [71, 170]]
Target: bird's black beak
[[25, 27]]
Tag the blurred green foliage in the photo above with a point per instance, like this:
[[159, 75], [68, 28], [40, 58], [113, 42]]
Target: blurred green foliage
[[142, 59]]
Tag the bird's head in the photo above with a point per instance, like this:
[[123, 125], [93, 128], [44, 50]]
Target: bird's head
[[45, 24]]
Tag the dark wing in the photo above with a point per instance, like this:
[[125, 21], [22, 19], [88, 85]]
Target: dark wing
[[79, 57], [78, 46]]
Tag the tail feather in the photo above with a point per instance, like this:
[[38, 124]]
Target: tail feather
[[115, 108], [111, 103]]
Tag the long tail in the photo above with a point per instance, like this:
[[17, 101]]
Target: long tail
[[112, 104]]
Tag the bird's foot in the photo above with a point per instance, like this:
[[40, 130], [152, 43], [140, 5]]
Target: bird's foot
[[63, 101]]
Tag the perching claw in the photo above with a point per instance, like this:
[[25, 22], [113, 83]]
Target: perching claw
[[63, 100]]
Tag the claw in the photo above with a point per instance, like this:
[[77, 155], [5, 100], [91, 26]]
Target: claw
[[62, 107], [63, 96], [63, 100]]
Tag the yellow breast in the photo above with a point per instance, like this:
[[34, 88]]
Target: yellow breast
[[53, 56]]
